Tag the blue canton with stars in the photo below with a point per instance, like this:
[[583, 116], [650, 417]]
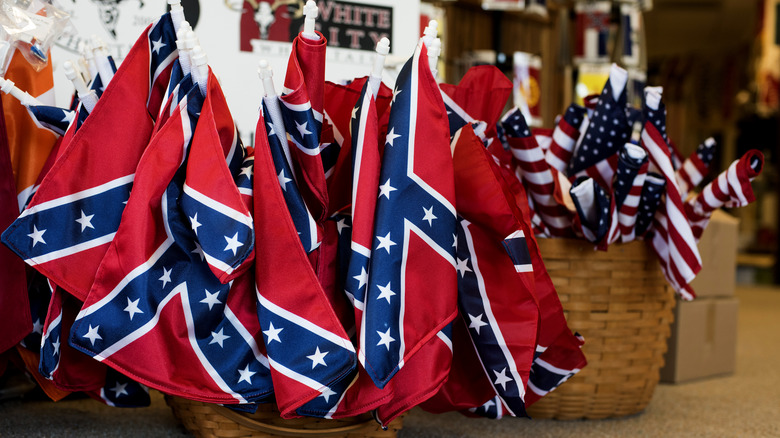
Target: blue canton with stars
[[607, 131], [600, 226], [649, 202]]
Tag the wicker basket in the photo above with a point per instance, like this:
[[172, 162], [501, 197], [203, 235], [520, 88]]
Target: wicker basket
[[206, 420], [621, 303]]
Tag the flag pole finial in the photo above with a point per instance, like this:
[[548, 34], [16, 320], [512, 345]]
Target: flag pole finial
[[8, 86], [87, 97], [177, 14], [266, 74], [200, 70], [375, 78], [184, 45], [434, 50], [310, 12]]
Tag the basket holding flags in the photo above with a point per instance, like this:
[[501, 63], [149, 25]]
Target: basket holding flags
[[374, 251]]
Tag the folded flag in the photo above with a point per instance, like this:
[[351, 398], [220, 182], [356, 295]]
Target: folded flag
[[673, 240], [696, 167], [730, 189], [479, 96], [593, 209], [308, 350], [302, 108], [652, 191], [564, 137], [627, 188], [537, 175], [608, 130], [412, 285], [53, 118], [65, 231]]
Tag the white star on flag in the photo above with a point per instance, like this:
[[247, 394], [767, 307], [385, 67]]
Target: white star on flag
[[302, 128], [429, 215], [199, 251], [283, 180], [318, 358], [391, 136], [476, 322], [385, 339], [341, 224], [195, 224], [132, 307], [501, 378], [362, 278], [246, 171], [218, 337], [166, 277], [463, 267], [272, 333], [157, 45], [119, 389], [211, 299], [384, 189], [37, 326], [92, 334], [396, 92], [454, 240], [354, 112], [385, 242], [37, 236], [68, 116], [233, 243], [326, 393], [56, 345], [246, 375], [386, 292], [85, 221]]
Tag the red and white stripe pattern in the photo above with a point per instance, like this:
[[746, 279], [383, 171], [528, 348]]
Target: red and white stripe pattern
[[731, 189], [536, 174], [695, 167], [673, 239], [564, 138]]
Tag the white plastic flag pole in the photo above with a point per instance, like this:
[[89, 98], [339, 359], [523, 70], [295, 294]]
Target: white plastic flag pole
[[7, 86], [101, 59], [89, 56], [200, 69], [83, 66], [177, 14], [87, 97], [310, 12], [430, 33], [274, 115], [434, 50], [375, 78], [185, 44]]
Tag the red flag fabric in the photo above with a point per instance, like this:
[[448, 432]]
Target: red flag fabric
[[69, 224], [15, 320], [481, 94], [307, 347]]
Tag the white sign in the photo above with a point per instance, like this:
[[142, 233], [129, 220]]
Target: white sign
[[236, 34]]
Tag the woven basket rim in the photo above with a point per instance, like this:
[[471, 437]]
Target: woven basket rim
[[285, 431]]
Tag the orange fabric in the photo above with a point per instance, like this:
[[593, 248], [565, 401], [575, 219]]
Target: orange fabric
[[30, 360], [29, 144]]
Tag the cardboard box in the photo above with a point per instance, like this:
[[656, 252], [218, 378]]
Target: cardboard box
[[703, 342], [718, 250]]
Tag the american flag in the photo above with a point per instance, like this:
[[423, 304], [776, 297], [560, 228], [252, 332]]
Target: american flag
[[414, 232], [593, 209], [608, 130], [730, 189], [564, 137], [696, 167], [536, 174], [160, 300], [73, 217], [592, 30], [652, 191], [628, 184], [673, 240], [308, 349]]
